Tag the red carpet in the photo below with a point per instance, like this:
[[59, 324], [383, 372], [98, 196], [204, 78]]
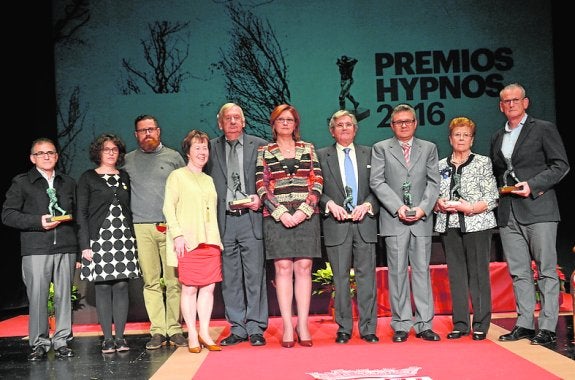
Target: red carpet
[[459, 359], [18, 326]]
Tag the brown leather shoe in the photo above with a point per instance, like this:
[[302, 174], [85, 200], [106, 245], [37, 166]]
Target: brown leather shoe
[[210, 347]]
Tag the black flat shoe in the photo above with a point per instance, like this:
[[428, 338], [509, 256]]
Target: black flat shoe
[[257, 340], [517, 333], [428, 334], [37, 354], [64, 352], [370, 338], [232, 339], [399, 336], [478, 335], [456, 334], [342, 337], [544, 337]]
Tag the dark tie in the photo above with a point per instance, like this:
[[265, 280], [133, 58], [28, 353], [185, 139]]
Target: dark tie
[[406, 147], [233, 163], [350, 175]]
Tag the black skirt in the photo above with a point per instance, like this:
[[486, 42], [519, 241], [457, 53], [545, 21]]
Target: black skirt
[[304, 240]]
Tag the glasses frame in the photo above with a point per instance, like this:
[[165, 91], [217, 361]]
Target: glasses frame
[[508, 102], [399, 123], [147, 131], [283, 120], [49, 153], [113, 150]]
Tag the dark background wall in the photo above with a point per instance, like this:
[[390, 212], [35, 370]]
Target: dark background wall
[[29, 76]]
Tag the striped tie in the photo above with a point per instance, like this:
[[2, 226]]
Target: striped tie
[[406, 147]]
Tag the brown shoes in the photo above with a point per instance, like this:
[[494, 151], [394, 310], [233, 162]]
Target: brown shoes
[[210, 347]]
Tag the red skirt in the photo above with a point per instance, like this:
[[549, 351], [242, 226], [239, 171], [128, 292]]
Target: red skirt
[[201, 266]]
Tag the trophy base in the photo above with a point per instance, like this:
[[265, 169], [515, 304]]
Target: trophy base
[[239, 203], [508, 189], [410, 213], [60, 218]]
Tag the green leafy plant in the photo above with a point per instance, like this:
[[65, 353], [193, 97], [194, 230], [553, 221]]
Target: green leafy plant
[[324, 277], [74, 297]]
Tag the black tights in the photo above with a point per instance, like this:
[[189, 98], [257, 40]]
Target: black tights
[[112, 303]]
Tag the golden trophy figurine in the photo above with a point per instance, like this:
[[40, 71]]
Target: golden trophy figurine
[[53, 207]]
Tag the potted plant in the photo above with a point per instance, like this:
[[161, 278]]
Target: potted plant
[[74, 297], [324, 277]]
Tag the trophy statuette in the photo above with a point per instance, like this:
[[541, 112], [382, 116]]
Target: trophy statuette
[[53, 207], [407, 199], [348, 201], [237, 188], [506, 189], [454, 192]]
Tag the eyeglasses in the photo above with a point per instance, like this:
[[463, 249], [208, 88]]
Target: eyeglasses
[[399, 123], [508, 102], [344, 125], [145, 131], [462, 135], [111, 150], [283, 120], [49, 153]]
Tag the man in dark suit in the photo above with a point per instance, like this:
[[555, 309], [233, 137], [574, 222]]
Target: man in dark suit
[[405, 178], [528, 216], [350, 226], [243, 260]]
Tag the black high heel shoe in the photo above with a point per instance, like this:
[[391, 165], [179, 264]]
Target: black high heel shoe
[[302, 342]]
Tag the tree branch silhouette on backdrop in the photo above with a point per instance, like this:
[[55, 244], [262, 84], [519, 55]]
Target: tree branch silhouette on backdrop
[[254, 68], [165, 53]]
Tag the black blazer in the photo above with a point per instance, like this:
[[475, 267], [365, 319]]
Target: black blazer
[[334, 232], [94, 200], [26, 202], [539, 158]]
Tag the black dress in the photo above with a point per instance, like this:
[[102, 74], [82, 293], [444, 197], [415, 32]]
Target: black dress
[[114, 252]]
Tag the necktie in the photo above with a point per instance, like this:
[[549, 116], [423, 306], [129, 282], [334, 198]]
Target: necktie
[[406, 147], [350, 175], [233, 164]]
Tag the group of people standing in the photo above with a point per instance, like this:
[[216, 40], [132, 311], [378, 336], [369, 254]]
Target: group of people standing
[[239, 200]]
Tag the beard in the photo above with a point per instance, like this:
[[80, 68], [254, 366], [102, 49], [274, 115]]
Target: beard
[[149, 144]]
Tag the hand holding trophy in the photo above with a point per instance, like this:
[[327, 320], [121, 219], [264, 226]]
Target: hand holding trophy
[[53, 207], [407, 199], [237, 188], [506, 189]]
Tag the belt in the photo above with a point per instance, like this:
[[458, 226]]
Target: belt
[[155, 223], [238, 212]]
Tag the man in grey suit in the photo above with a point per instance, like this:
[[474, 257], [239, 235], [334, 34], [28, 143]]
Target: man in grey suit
[[405, 170], [243, 260], [528, 216], [350, 235]]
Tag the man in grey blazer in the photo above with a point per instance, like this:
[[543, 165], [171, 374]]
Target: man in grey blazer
[[350, 235], [244, 287], [528, 216], [404, 169]]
